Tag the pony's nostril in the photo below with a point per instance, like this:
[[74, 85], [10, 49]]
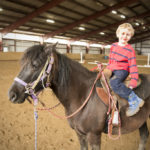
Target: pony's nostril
[[13, 96]]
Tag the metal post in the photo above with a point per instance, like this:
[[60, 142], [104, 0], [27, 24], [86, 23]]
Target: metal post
[[1, 47], [148, 59], [81, 57]]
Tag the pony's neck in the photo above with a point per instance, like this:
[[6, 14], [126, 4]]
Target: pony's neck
[[72, 81]]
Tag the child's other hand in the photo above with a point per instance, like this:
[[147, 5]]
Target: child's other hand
[[131, 87]]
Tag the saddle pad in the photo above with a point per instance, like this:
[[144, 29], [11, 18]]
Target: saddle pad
[[102, 95]]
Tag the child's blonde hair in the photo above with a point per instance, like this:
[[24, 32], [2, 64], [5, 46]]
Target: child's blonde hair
[[125, 26]]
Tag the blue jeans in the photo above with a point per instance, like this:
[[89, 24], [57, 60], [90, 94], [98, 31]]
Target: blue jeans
[[117, 85]]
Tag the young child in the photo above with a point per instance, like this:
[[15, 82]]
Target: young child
[[122, 62]]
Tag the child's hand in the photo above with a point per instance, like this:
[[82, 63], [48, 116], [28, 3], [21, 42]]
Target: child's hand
[[131, 87]]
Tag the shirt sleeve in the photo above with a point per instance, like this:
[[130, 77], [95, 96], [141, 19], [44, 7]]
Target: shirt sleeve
[[133, 70]]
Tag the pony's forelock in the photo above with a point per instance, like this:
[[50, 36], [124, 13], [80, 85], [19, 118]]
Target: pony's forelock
[[32, 53]]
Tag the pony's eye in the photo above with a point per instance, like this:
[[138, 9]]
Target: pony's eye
[[35, 64]]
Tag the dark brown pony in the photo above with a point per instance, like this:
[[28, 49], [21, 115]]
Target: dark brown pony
[[71, 83]]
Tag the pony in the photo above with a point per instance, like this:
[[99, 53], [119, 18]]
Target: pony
[[71, 83]]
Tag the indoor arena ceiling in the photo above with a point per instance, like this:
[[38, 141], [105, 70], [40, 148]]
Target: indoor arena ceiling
[[92, 20]]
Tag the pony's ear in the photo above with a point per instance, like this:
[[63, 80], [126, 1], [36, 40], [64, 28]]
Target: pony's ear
[[54, 46], [47, 49], [50, 48]]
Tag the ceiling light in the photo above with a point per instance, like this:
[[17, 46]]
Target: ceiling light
[[144, 27], [102, 33], [114, 12], [123, 16], [1, 9], [50, 21], [81, 28], [137, 24]]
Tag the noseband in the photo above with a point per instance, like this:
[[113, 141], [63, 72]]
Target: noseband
[[30, 87]]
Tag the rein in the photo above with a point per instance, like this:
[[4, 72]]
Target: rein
[[111, 114], [30, 89], [85, 102]]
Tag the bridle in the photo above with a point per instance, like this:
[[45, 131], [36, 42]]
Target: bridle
[[45, 73]]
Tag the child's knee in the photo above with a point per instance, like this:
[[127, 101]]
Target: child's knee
[[114, 84]]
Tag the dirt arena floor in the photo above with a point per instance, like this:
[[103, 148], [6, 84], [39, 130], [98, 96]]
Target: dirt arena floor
[[17, 122]]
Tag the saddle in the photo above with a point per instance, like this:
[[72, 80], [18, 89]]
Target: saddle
[[103, 92]]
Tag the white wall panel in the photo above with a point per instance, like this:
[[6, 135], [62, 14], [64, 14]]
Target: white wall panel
[[20, 45]]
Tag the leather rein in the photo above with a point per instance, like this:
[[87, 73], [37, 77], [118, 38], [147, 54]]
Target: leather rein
[[46, 73]]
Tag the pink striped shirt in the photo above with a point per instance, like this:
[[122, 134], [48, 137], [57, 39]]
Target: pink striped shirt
[[124, 58]]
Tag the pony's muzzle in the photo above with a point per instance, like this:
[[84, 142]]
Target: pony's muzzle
[[16, 94], [12, 96]]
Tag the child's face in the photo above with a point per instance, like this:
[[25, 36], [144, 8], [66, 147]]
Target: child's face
[[124, 36]]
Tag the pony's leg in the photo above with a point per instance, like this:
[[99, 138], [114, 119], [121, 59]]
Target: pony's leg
[[94, 141], [144, 133], [83, 141]]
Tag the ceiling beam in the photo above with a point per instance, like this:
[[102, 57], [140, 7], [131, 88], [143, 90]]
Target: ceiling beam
[[140, 39], [142, 33], [88, 18], [110, 26], [30, 16]]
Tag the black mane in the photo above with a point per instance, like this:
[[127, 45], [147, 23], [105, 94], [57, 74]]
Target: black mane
[[69, 70]]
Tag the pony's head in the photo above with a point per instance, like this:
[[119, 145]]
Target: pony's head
[[33, 74]]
